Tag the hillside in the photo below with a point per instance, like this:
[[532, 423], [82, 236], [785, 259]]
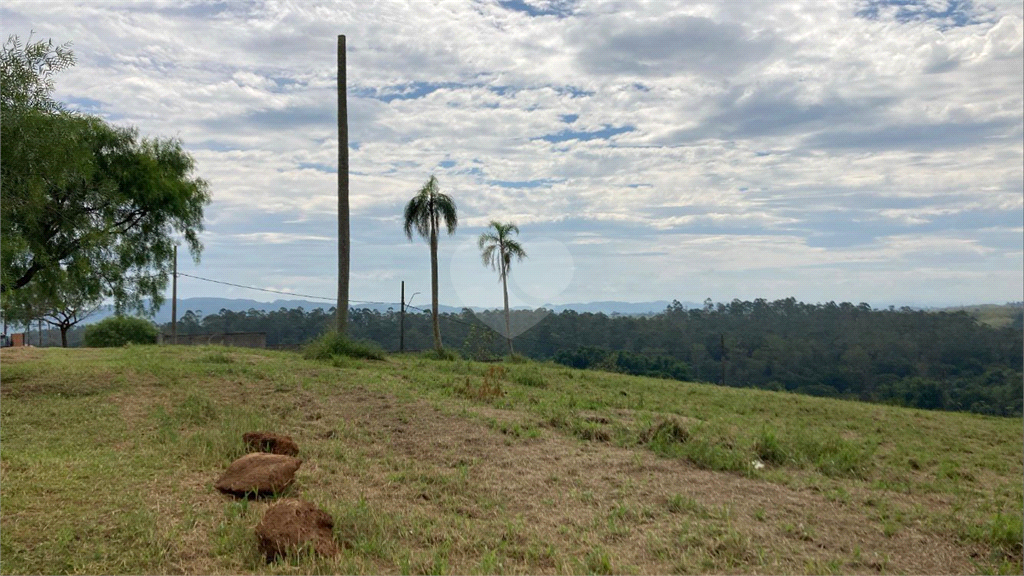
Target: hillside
[[995, 315], [913, 358], [108, 459]]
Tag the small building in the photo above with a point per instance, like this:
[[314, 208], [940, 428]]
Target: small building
[[238, 339]]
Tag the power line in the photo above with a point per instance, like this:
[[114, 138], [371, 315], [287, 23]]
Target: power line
[[449, 317], [282, 291], [257, 289]]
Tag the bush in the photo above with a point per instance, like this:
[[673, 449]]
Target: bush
[[487, 391], [334, 344], [120, 330]]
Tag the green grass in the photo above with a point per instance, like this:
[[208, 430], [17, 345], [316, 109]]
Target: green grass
[[109, 456]]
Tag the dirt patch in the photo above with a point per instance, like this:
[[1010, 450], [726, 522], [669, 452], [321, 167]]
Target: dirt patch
[[594, 418], [292, 526], [258, 474], [270, 443]]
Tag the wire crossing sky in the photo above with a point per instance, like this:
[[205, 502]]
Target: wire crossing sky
[[864, 151]]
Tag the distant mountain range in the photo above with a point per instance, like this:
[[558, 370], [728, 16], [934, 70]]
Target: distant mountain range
[[205, 306]]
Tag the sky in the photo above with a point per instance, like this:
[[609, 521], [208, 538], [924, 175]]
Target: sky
[[862, 151]]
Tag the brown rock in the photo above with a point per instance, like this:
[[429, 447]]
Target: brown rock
[[270, 442], [293, 525], [258, 474]]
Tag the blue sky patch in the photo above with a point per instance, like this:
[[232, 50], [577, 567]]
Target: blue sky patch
[[954, 14], [408, 91], [549, 8], [318, 166], [583, 136], [84, 104], [543, 182]]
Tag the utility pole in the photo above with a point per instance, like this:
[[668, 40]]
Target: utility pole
[[174, 300], [401, 322], [343, 230]]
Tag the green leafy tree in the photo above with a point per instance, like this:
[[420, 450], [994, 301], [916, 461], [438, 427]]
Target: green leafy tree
[[498, 248], [120, 330], [85, 202], [424, 214], [26, 72], [62, 307]]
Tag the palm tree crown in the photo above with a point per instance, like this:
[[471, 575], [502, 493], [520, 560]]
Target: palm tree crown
[[498, 248], [426, 210]]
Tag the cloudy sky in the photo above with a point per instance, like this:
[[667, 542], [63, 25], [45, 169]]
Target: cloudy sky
[[864, 151]]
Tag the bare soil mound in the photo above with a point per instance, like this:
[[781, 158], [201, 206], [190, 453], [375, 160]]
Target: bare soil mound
[[258, 474], [295, 525], [271, 443]]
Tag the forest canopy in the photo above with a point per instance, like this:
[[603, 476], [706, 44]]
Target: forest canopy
[[934, 360]]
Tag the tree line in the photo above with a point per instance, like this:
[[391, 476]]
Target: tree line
[[934, 360]]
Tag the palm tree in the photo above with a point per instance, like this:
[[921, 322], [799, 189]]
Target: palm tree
[[498, 248], [424, 214]]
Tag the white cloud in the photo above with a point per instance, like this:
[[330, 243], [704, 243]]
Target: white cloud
[[684, 143]]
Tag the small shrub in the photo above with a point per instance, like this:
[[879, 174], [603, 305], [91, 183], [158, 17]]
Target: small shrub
[[495, 373], [490, 389], [334, 344], [120, 330], [769, 449], [529, 377]]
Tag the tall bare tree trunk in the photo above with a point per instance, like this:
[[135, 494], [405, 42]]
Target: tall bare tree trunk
[[508, 324], [64, 336], [343, 230], [433, 285]]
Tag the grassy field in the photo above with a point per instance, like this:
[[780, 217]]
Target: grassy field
[[995, 315], [108, 457]]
